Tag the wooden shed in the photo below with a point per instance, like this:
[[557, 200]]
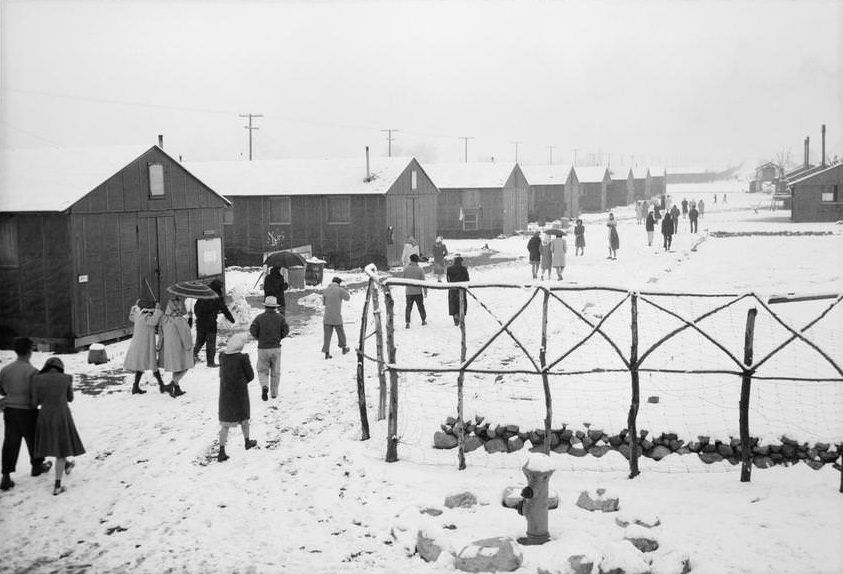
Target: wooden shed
[[554, 192], [817, 196], [658, 182], [86, 232], [621, 190], [641, 182], [594, 184], [480, 199], [352, 212]]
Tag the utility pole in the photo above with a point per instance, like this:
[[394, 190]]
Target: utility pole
[[575, 150], [550, 147], [250, 128], [389, 139], [516, 151], [466, 138]]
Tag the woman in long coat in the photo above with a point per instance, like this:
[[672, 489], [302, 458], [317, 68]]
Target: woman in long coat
[[142, 354], [176, 353], [234, 408], [614, 239], [650, 227], [439, 253], [579, 238], [559, 247], [456, 273], [56, 433], [546, 256]]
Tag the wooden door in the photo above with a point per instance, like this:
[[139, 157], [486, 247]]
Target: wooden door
[[157, 256]]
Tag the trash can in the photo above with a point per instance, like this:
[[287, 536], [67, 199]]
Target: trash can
[[295, 277], [313, 273]]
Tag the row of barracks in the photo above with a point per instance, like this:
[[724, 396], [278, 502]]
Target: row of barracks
[[85, 232]]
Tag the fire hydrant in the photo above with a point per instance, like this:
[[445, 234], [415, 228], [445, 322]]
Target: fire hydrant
[[535, 499]]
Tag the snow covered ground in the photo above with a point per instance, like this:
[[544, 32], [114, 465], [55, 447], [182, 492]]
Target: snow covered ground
[[149, 496]]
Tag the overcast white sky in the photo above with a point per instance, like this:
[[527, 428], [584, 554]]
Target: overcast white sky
[[649, 81]]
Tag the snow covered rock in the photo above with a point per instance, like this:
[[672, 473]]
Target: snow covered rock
[[597, 500], [571, 554], [642, 538], [500, 554], [472, 443], [645, 519], [623, 558], [660, 452], [430, 544], [671, 563], [461, 500], [444, 440], [495, 445]]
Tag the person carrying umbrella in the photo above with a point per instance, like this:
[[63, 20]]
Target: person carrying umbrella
[[274, 286], [176, 354], [206, 311]]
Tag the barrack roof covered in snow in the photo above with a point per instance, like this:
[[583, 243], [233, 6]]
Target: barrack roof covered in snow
[[300, 176], [53, 179], [474, 175], [640, 172], [555, 174], [591, 174], [620, 173]]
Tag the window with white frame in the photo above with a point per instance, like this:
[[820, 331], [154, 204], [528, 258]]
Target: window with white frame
[[414, 180], [156, 179], [339, 210], [279, 211], [831, 193]]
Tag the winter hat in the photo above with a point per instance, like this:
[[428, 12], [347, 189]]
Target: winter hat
[[216, 285], [414, 258], [337, 280], [270, 301], [235, 343], [53, 363]]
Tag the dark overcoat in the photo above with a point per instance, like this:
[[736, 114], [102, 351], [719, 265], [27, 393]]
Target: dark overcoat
[[454, 274], [56, 433], [235, 374]]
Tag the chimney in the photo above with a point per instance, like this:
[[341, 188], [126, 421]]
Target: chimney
[[161, 141], [807, 150], [822, 158], [368, 176]]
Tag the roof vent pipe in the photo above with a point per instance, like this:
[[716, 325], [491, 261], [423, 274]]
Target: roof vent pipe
[[807, 151], [822, 160], [161, 141], [368, 175]]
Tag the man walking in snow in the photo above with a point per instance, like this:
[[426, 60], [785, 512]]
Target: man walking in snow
[[269, 328], [20, 416], [693, 216], [667, 230], [332, 297], [415, 294]]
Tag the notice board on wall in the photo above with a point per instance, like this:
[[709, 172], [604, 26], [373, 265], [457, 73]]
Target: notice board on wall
[[209, 256]]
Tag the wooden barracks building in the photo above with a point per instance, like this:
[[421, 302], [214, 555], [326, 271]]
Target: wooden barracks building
[[86, 232]]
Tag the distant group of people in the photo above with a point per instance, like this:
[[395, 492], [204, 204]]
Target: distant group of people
[[36, 411]]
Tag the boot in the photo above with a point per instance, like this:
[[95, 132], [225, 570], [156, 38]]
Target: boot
[[222, 457], [136, 390], [250, 443], [211, 362], [175, 390], [6, 483], [162, 388]]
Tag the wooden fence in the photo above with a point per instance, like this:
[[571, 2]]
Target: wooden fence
[[635, 362]]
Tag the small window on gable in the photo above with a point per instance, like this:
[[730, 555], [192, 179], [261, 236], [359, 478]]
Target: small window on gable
[[339, 210], [228, 215], [414, 180], [830, 193], [279, 211], [8, 242], [156, 180]]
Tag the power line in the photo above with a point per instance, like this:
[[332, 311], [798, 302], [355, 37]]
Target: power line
[[389, 138], [466, 138], [251, 129]]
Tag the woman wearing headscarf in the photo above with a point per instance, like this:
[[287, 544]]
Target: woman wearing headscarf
[[234, 408], [142, 354], [176, 353], [56, 433], [456, 273]]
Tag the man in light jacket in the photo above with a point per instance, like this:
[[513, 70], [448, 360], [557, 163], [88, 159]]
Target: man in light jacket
[[269, 328], [333, 296], [415, 294]]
